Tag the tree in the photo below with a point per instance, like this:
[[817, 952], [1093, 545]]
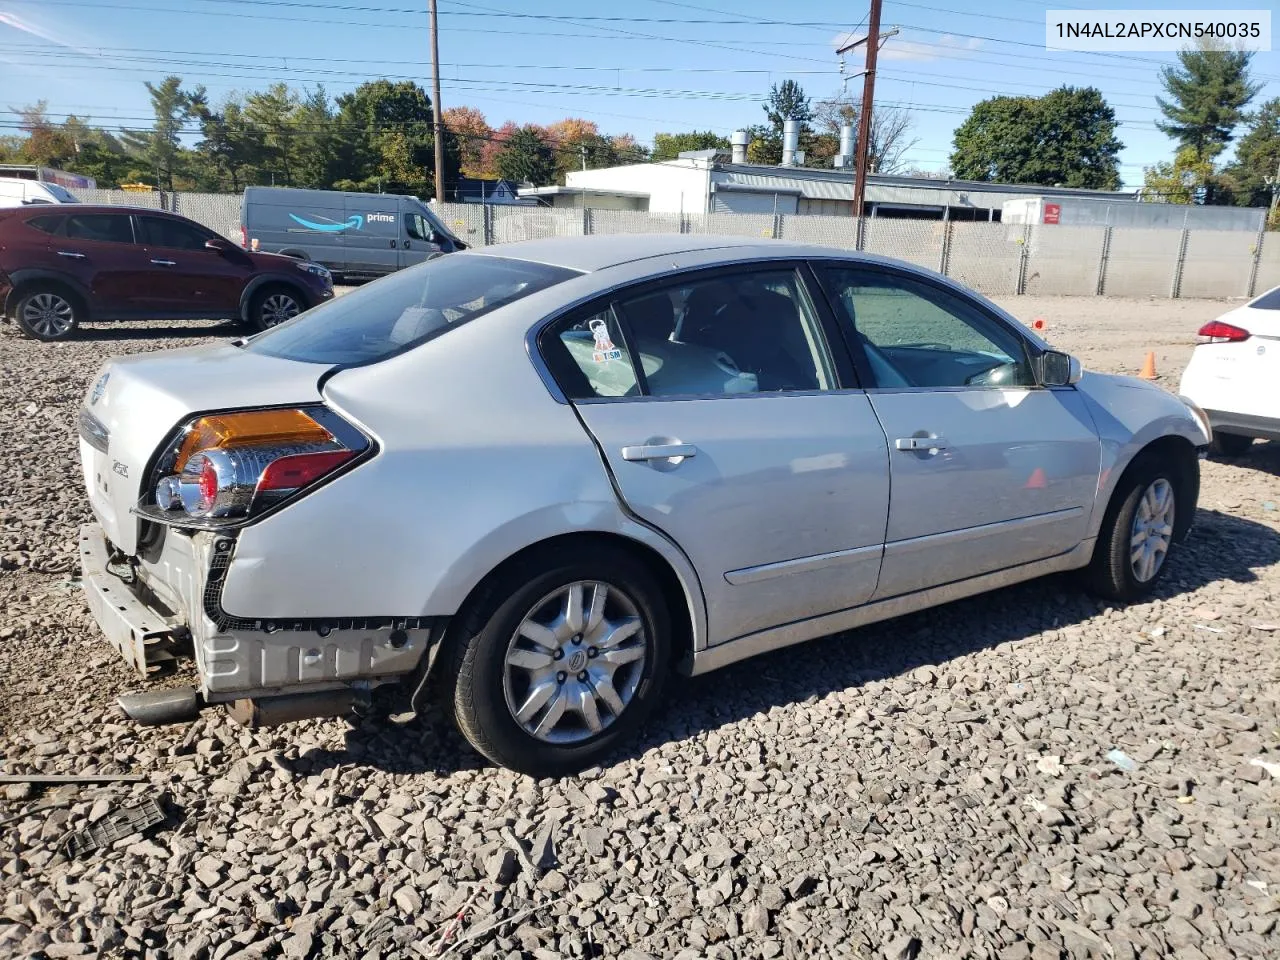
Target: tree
[[472, 131], [1208, 92], [1257, 158], [787, 102], [1064, 138], [526, 157], [230, 150], [668, 146], [97, 154], [160, 148], [890, 133], [46, 144], [1184, 181], [386, 139], [270, 113]]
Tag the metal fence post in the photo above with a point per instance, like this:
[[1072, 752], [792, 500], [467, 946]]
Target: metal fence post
[[777, 226], [1176, 287], [862, 234], [1020, 285], [1257, 261], [486, 220], [586, 221], [1102, 261], [944, 257]]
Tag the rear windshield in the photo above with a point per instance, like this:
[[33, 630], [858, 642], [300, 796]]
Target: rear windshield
[[1268, 301], [405, 309]]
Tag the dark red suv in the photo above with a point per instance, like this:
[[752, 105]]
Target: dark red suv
[[60, 266]]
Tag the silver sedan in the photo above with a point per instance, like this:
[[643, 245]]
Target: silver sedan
[[535, 479]]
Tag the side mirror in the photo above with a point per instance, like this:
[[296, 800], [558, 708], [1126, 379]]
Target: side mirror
[[1059, 369], [217, 246]]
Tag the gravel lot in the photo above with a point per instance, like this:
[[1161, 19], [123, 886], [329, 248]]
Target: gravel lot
[[936, 786]]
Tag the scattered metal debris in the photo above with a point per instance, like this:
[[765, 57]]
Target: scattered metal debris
[[115, 826], [471, 936]]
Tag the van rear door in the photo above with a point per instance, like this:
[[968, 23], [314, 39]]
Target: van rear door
[[373, 237]]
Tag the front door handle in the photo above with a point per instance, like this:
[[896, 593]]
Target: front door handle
[[659, 451], [165, 263], [70, 253], [406, 244], [920, 443]]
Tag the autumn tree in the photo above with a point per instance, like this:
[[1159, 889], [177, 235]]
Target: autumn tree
[[473, 133]]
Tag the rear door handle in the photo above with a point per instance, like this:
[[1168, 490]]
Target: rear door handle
[[658, 451], [920, 443], [70, 253], [165, 263]]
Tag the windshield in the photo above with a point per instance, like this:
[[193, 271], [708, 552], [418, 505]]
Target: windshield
[[62, 193], [405, 309]]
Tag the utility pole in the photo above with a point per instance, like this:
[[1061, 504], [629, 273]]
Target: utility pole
[[1275, 196], [864, 117], [437, 120]]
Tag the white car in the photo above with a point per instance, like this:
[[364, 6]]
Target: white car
[[536, 478], [18, 192], [1233, 374]]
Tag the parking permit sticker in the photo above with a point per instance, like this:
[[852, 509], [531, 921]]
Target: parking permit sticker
[[605, 350]]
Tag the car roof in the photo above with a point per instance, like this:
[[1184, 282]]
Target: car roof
[[596, 252], [47, 208]]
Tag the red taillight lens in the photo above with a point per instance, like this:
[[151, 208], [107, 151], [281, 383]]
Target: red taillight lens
[[290, 473], [1218, 332], [208, 485], [244, 238]]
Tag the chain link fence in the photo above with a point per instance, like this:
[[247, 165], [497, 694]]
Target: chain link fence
[[996, 259]]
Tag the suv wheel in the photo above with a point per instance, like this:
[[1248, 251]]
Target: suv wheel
[[560, 660], [274, 305], [47, 313]]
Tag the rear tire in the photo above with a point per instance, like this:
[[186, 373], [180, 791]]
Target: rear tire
[[273, 305], [537, 712], [1131, 554], [48, 312], [1230, 445]]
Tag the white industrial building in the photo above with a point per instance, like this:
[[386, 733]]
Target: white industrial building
[[711, 181]]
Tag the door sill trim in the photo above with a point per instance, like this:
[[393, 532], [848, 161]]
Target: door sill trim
[[723, 654]]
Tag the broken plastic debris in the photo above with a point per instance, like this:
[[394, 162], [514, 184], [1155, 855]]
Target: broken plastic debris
[[1186, 799], [1201, 626], [1050, 766], [117, 825], [1257, 885], [1039, 806], [1272, 768], [1122, 760]]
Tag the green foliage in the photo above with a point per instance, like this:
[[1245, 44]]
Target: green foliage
[[160, 148], [1207, 94], [526, 157], [1066, 137], [787, 102], [1257, 158], [1185, 181], [668, 146]]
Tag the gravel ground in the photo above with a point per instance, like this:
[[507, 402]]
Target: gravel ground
[[936, 786]]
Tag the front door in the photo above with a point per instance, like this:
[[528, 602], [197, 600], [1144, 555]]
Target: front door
[[727, 425], [187, 279], [372, 242], [419, 241], [988, 469]]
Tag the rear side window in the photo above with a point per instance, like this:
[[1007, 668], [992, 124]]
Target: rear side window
[[1268, 301], [163, 232], [403, 310], [45, 224], [106, 227]]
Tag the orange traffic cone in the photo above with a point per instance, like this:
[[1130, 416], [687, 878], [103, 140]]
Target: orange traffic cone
[[1039, 324], [1037, 480], [1149, 367]]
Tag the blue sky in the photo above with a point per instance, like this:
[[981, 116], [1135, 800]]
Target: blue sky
[[652, 69]]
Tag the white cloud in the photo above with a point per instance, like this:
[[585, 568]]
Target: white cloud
[[895, 48], [48, 34]]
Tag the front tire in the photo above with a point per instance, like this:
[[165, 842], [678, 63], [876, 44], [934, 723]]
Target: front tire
[[1137, 533], [48, 313], [1230, 445], [274, 305], [560, 659]]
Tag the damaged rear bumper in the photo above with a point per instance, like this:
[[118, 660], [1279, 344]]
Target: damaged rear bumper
[[274, 671]]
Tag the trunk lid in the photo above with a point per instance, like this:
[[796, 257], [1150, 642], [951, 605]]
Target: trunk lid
[[145, 397], [1258, 321]]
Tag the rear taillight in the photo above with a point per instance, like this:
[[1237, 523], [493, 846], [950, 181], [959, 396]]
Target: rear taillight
[[227, 467], [1218, 332]]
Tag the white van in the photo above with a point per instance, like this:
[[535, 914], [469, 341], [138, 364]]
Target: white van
[[16, 192]]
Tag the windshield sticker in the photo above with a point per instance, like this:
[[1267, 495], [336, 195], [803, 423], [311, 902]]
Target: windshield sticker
[[605, 350]]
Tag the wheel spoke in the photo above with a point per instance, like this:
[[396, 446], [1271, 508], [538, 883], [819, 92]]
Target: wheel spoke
[[539, 694], [529, 659], [1136, 555], [618, 631], [573, 610], [1139, 537], [596, 614], [606, 691], [622, 655], [551, 717], [586, 706], [543, 636]]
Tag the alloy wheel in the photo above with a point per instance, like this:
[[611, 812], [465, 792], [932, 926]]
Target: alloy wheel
[[1152, 531], [277, 308], [48, 315], [575, 662]]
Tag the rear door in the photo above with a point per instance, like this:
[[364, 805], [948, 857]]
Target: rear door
[[99, 250], [728, 424], [372, 240], [189, 279], [989, 470]]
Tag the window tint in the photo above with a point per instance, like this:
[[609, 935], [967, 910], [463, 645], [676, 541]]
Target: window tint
[[405, 309], [45, 224], [743, 333], [416, 226], [109, 227], [163, 232], [61, 193], [915, 334], [1268, 301]]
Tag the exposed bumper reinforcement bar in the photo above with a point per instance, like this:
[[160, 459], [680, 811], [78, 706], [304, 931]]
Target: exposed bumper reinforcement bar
[[183, 705]]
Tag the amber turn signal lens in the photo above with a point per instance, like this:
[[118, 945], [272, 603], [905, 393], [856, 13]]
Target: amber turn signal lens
[[250, 428]]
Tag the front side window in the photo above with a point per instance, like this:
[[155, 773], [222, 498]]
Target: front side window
[[716, 336], [163, 232], [103, 227], [61, 194], [915, 334], [399, 312]]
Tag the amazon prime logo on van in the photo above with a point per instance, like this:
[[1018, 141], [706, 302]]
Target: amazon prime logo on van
[[353, 222]]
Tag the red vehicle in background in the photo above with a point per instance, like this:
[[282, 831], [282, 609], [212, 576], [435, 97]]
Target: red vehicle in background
[[62, 266]]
